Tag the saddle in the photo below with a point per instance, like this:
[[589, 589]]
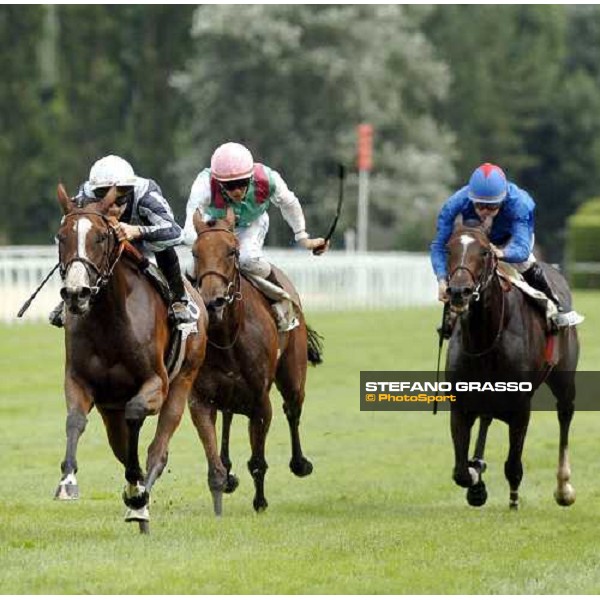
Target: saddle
[[175, 350]]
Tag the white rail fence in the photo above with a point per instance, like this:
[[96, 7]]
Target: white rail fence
[[336, 281]]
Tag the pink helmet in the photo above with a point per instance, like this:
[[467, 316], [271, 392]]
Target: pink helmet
[[231, 161]]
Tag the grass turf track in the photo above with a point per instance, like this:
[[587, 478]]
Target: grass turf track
[[380, 514]]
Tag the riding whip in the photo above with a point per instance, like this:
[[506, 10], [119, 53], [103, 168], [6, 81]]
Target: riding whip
[[441, 334], [341, 176], [31, 298]]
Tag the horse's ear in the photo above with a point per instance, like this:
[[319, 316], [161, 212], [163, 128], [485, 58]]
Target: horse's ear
[[230, 218], [63, 199], [199, 224], [108, 200]]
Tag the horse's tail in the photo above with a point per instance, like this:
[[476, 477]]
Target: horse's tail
[[315, 346]]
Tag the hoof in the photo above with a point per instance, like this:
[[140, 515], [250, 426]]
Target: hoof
[[260, 505], [301, 468], [144, 527], [231, 484], [513, 503], [139, 515], [566, 497], [67, 491], [135, 496], [477, 494]]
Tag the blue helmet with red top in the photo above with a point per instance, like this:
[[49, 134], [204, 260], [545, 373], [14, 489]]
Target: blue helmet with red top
[[488, 184]]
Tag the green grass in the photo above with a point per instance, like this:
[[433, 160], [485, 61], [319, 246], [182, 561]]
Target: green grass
[[380, 514]]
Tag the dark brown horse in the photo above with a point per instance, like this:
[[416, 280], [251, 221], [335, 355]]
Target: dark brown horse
[[500, 331], [245, 354], [116, 338]]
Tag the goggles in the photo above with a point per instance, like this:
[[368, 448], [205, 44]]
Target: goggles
[[236, 184]]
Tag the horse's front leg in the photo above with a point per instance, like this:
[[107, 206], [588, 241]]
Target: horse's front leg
[[258, 428], [232, 480], [477, 494], [147, 401], [204, 417], [79, 403], [460, 426], [513, 467]]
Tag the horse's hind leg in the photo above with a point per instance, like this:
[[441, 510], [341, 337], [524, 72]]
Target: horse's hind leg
[[290, 380], [79, 404], [258, 428], [513, 467], [477, 494], [562, 384], [232, 480], [204, 418]]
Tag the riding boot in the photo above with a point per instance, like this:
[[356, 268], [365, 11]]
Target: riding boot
[[536, 278], [283, 307], [57, 316], [183, 308]]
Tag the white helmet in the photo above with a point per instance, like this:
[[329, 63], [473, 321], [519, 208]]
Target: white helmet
[[111, 170]]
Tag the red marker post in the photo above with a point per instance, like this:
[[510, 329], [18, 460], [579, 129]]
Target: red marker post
[[365, 165]]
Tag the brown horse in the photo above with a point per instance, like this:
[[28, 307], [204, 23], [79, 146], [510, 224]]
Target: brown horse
[[245, 354], [500, 332], [116, 337]]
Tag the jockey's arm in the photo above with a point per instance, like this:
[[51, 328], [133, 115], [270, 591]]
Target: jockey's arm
[[518, 248], [161, 229], [199, 200], [291, 210]]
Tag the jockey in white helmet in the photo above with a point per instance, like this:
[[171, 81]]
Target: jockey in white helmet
[[145, 219], [234, 180]]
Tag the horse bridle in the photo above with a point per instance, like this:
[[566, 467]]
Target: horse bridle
[[234, 285], [481, 284], [485, 277], [104, 272]]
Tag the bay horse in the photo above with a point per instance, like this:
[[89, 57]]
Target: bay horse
[[500, 331], [245, 355], [116, 337]]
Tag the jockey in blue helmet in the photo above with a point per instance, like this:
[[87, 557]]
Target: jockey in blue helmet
[[507, 211]]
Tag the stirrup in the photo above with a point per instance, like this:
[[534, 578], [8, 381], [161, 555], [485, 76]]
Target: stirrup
[[184, 312], [570, 319]]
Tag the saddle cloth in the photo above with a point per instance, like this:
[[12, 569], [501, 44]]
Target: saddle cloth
[[510, 274]]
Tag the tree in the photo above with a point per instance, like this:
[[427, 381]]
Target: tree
[[294, 82]]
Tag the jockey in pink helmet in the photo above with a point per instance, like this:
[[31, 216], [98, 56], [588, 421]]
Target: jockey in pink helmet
[[235, 181]]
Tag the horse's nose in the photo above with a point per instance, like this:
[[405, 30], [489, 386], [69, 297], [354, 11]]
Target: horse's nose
[[76, 295], [459, 294], [216, 304]]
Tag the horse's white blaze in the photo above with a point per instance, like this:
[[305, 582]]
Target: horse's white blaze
[[465, 240], [77, 276], [83, 228]]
